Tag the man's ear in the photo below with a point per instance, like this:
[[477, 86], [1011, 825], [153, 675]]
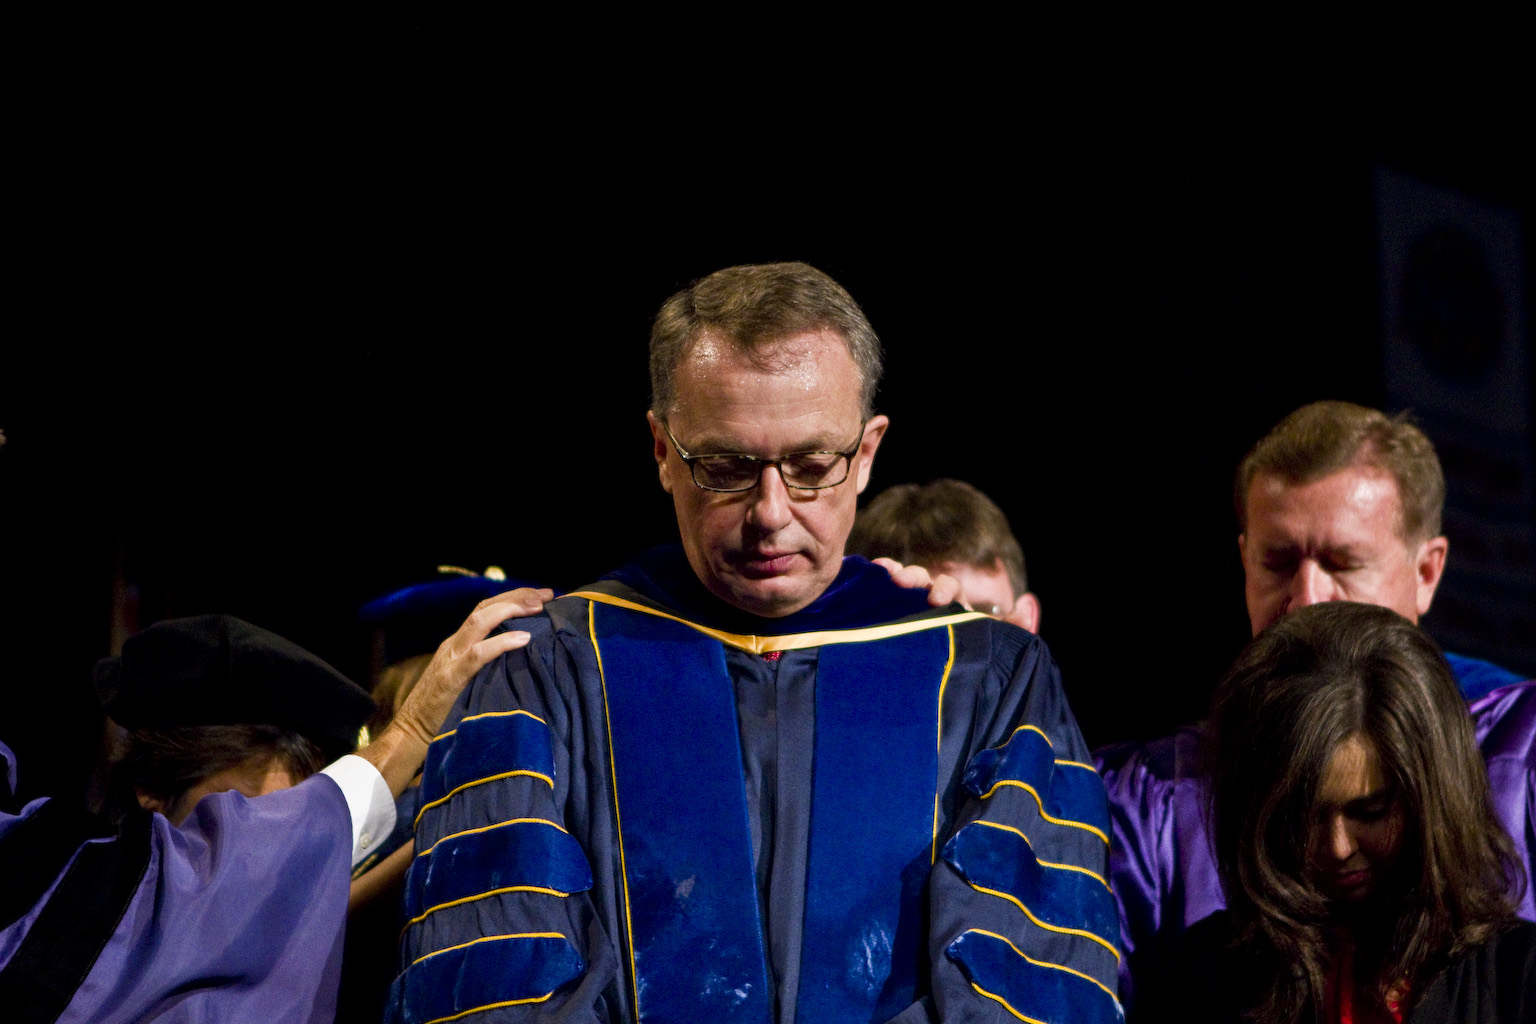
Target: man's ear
[[149, 803], [1428, 567], [1026, 612], [660, 448], [874, 431]]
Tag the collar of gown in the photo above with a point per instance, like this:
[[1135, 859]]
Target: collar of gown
[[862, 594]]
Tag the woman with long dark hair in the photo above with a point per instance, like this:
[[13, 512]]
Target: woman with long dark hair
[[1366, 876]]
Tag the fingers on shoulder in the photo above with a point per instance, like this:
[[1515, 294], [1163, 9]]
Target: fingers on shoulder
[[513, 604], [499, 644], [522, 601], [943, 590]]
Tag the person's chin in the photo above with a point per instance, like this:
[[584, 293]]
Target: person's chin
[[770, 596], [1350, 887]]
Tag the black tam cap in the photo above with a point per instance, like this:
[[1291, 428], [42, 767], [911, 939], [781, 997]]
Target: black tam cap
[[220, 670]]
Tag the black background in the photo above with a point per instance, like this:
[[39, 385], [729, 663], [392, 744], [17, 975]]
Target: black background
[[276, 347]]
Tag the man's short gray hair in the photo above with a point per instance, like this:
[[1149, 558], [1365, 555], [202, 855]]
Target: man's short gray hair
[[752, 308]]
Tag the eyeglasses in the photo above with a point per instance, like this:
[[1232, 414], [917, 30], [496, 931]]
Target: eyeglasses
[[800, 471]]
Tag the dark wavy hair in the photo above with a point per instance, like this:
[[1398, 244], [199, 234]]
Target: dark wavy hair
[[1301, 688]]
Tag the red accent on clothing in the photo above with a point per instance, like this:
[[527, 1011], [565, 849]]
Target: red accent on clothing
[[773, 655], [1339, 996]]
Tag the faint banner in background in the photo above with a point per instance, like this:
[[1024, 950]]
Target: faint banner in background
[[1455, 352]]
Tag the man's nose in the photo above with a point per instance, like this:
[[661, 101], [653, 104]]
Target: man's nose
[[1311, 585], [770, 504]]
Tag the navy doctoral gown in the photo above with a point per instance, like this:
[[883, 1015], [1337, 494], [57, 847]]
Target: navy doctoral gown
[[665, 810]]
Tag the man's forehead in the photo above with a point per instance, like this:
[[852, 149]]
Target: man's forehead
[[713, 353], [806, 386], [1360, 496]]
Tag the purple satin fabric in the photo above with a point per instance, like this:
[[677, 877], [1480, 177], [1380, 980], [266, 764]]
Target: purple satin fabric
[[1505, 721], [1163, 869], [238, 918]]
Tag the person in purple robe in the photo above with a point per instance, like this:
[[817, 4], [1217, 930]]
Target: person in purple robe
[[1337, 502], [212, 703], [236, 915]]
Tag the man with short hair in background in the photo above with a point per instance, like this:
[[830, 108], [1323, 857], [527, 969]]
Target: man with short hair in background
[[743, 778], [1337, 503], [950, 527]]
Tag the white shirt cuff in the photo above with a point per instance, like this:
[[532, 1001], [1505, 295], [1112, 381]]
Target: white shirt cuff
[[368, 801]]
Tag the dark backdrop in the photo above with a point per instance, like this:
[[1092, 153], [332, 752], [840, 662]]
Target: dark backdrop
[[276, 369]]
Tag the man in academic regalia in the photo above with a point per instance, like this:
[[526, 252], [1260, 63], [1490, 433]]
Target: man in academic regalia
[[745, 778]]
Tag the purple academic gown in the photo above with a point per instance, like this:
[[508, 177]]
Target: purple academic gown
[[1163, 869], [237, 916]]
